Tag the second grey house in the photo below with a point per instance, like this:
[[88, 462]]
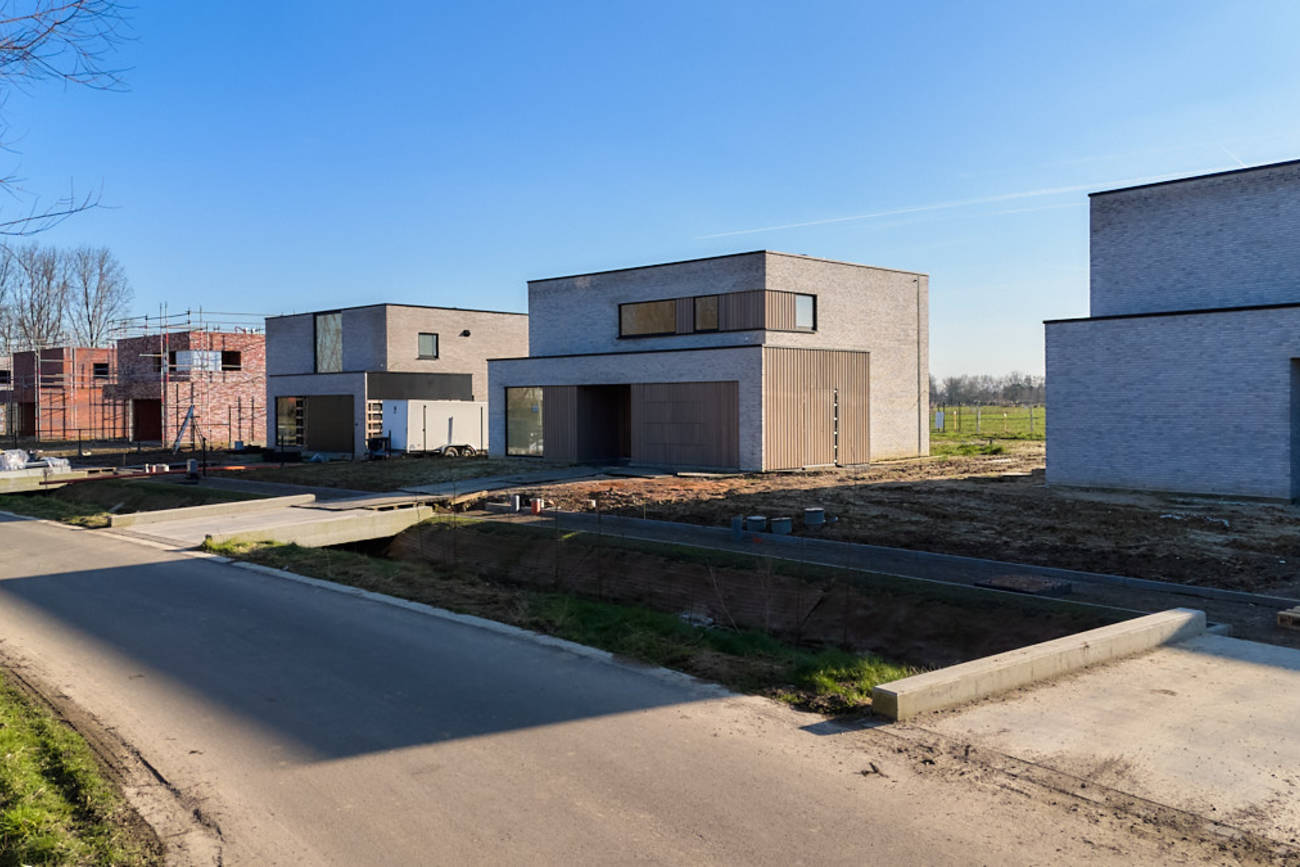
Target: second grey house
[[754, 361], [1186, 377], [329, 372]]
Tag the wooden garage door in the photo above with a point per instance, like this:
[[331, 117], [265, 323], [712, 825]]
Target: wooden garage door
[[693, 424], [815, 408]]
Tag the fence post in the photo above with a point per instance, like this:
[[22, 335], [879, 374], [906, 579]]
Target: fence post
[[977, 419], [1031, 419]]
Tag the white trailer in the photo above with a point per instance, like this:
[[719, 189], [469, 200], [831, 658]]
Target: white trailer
[[448, 427]]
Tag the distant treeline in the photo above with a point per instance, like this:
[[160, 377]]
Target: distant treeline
[[1013, 389]]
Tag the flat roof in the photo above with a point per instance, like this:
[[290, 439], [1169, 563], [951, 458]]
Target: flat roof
[[391, 304], [1221, 174], [1194, 311], [727, 256]]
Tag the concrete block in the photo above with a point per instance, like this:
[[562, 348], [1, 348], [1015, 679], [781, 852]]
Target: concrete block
[[979, 678], [214, 510], [355, 526]]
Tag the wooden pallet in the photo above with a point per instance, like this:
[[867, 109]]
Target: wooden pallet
[[1290, 618]]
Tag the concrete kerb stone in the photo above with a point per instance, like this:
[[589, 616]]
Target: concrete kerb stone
[[980, 678], [356, 526], [238, 507]]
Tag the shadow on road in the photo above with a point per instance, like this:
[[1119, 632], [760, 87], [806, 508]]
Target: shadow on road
[[338, 675]]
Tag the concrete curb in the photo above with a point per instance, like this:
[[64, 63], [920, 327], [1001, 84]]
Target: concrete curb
[[239, 507], [980, 678], [350, 526]]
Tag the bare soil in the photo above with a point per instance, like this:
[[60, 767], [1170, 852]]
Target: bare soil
[[926, 627], [990, 506]]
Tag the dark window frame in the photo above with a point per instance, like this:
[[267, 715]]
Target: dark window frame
[[506, 405], [97, 366], [231, 360], [419, 353], [315, 340], [622, 336], [717, 313], [797, 327]]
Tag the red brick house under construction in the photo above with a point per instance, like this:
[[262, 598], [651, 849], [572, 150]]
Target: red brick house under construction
[[220, 375]]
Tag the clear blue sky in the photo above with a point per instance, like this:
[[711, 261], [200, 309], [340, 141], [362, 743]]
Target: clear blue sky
[[273, 157]]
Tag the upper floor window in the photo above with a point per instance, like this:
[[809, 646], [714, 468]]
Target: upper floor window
[[805, 312], [231, 360], [706, 313], [329, 342], [647, 317], [428, 345], [6, 377], [100, 370]]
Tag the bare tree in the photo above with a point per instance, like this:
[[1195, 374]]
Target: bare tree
[[67, 40], [9, 276], [40, 296], [98, 293]]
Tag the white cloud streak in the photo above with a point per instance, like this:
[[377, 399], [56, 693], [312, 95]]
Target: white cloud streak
[[957, 203]]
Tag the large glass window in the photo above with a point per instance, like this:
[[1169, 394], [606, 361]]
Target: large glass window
[[524, 421], [288, 421], [647, 317], [805, 312], [706, 313], [428, 345], [329, 342]]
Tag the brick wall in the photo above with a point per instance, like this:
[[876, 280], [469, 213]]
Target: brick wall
[[229, 405], [1195, 403], [1215, 241]]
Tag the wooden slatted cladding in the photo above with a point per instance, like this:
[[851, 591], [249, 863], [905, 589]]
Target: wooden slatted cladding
[[738, 311], [560, 422], [686, 423], [685, 315], [802, 426], [780, 314]]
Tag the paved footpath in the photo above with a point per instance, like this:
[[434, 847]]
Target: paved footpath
[[314, 727]]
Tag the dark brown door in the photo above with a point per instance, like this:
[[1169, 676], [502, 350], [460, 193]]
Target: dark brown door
[[146, 420]]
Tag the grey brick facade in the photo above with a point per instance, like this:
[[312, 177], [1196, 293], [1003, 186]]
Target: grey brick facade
[[1151, 394], [574, 339], [384, 338]]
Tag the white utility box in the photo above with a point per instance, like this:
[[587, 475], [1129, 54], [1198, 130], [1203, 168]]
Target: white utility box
[[452, 427]]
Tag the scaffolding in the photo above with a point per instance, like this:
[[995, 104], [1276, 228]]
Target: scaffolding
[[139, 387]]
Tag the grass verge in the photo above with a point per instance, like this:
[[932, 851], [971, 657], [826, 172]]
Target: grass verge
[[55, 805], [825, 680], [88, 504], [965, 448]]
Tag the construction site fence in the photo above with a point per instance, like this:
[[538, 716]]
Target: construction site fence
[[989, 420], [799, 602]]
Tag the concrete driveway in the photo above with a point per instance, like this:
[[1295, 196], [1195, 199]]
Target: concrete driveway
[[1210, 726], [308, 726]]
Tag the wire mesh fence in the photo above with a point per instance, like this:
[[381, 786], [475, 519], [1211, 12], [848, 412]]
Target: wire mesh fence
[[982, 420], [787, 596]]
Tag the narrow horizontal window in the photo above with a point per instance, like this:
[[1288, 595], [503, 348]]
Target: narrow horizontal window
[[647, 317]]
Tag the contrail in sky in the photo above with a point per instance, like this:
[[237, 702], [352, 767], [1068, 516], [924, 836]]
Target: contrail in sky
[[958, 203]]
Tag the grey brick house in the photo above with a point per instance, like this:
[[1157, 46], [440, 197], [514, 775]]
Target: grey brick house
[[1186, 377], [756, 361], [329, 371]]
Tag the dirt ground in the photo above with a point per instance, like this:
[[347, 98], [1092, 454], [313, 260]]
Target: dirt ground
[[991, 506]]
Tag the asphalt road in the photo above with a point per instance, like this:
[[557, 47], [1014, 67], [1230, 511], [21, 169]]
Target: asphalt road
[[315, 727]]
